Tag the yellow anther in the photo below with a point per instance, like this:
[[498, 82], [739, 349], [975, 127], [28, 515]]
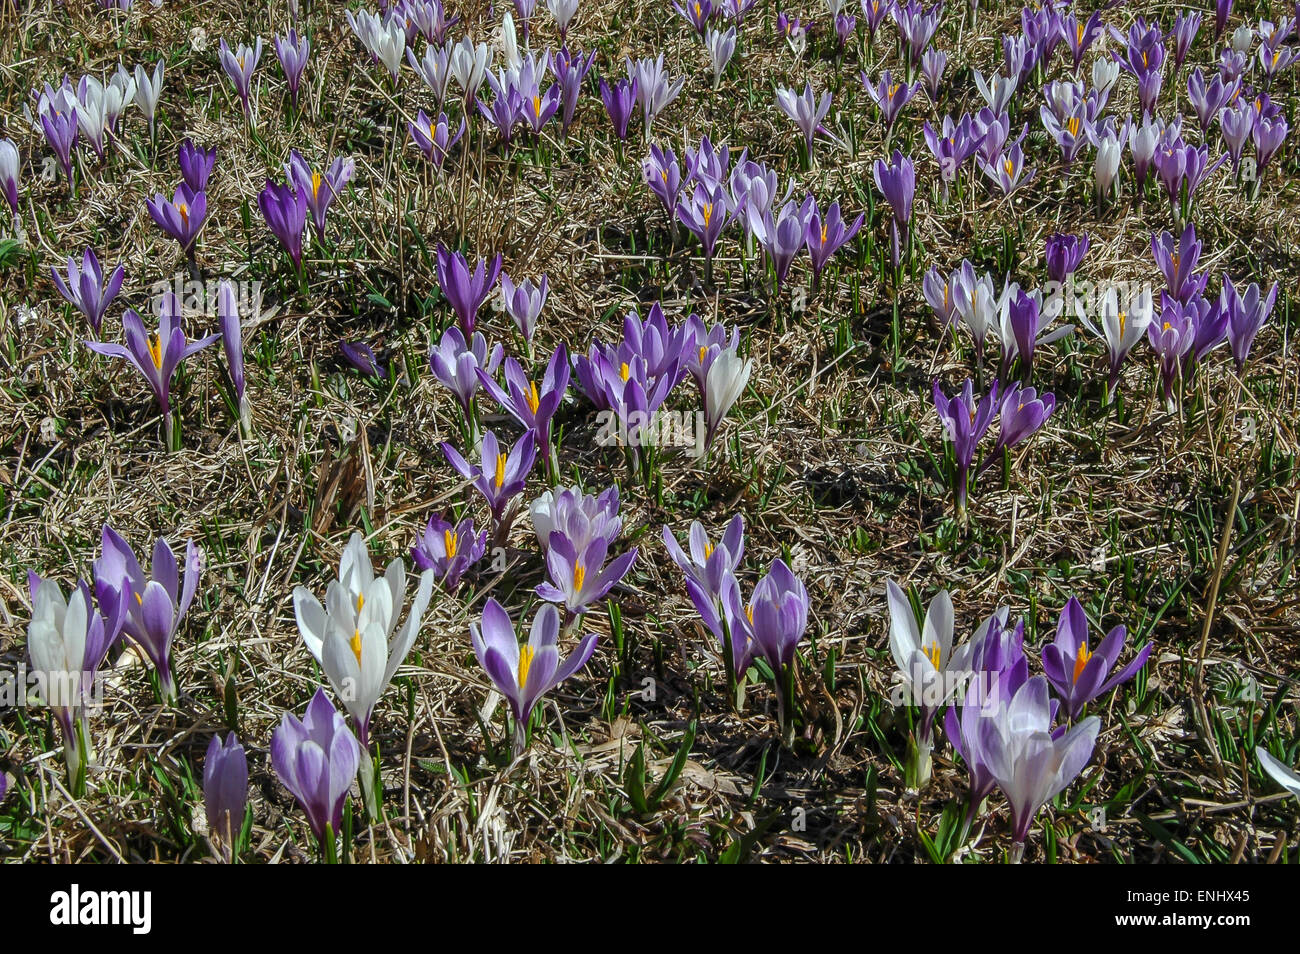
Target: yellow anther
[[934, 654], [624, 371], [501, 470], [1081, 660], [155, 352], [315, 185], [525, 662], [579, 575], [356, 645], [449, 543], [531, 397]]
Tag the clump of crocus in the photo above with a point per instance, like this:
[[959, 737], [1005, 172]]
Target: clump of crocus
[[1030, 761], [1077, 673], [67, 642], [156, 354], [85, 287], [654, 90], [577, 548], [464, 290], [225, 794], [449, 550], [316, 758], [155, 606], [523, 674]]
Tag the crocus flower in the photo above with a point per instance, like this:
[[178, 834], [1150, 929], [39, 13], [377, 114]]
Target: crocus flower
[[924, 655], [1222, 10], [706, 564], [1186, 25], [580, 517], [825, 236], [1110, 150], [293, 53], [58, 116], [182, 218], [721, 45], [239, 66], [317, 758], [896, 181], [9, 173], [1209, 98], [523, 303], [951, 146], [456, 362], [1030, 762], [779, 605], [1172, 336], [1182, 168], [530, 406], [90, 105], [578, 574], [434, 139], [1178, 263], [523, 674], [225, 790], [1237, 124], [1247, 312], [1268, 135], [697, 13], [724, 382], [1064, 253], [654, 90], [469, 66], [964, 424], [285, 211], [148, 90], [563, 12], [619, 99], [1283, 775], [502, 474], [933, 63], [1122, 326], [806, 110], [320, 188], [464, 290], [889, 96], [448, 550], [570, 70], [434, 69], [663, 175], [874, 12], [362, 357], [1009, 172], [1077, 673], [196, 165], [782, 235], [232, 342], [1022, 412], [1079, 34], [155, 354], [155, 607], [705, 212], [85, 287]]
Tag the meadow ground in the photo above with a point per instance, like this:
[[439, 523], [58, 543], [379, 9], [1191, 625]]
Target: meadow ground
[[1178, 522]]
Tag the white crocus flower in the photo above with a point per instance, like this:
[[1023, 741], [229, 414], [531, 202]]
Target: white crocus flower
[[119, 92], [722, 46], [510, 43], [1281, 774], [996, 91], [723, 384], [542, 512], [92, 112], [1106, 168], [1105, 74], [563, 11], [148, 90], [1242, 38], [469, 66], [979, 311], [1122, 325], [390, 46]]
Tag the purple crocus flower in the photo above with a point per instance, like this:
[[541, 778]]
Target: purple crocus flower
[[1030, 761], [196, 165], [964, 425], [1237, 124], [9, 172], [807, 111], [1064, 253], [320, 189], [619, 99], [239, 66], [874, 12], [779, 606], [705, 212], [501, 475], [523, 674], [1079, 34], [663, 175], [1186, 25], [285, 210], [86, 289], [698, 13], [1208, 99], [1077, 673], [1182, 168], [156, 354], [530, 406], [59, 124], [182, 218], [917, 26], [933, 63], [232, 342], [1021, 328], [1023, 411], [1268, 134], [896, 181], [889, 96], [225, 790], [570, 70], [1172, 336], [951, 147], [317, 758], [362, 357], [464, 290], [523, 303], [1178, 263], [293, 54], [707, 565], [1247, 312], [1222, 10], [456, 363], [826, 236], [434, 139], [578, 574], [156, 606], [449, 550], [782, 235]]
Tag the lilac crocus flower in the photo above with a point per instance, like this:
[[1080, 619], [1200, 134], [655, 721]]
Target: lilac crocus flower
[[619, 99], [362, 357], [196, 164], [951, 147], [570, 70], [1209, 98], [705, 212], [449, 550], [317, 758], [285, 210], [456, 362], [1077, 673], [182, 218], [916, 26], [889, 96], [654, 90], [578, 573], [782, 235], [530, 406], [1182, 168], [1064, 253], [1268, 134], [523, 303], [58, 117], [501, 475], [225, 791], [698, 13], [1186, 25], [1237, 124], [825, 236], [239, 66], [874, 12], [663, 175], [1172, 336], [155, 354], [1247, 312], [85, 287], [1030, 762], [464, 290], [293, 53], [706, 564], [155, 606], [320, 188], [807, 111], [579, 516], [721, 45], [1222, 10], [9, 172], [896, 181], [523, 674], [933, 63], [434, 139], [1022, 325], [1022, 412], [232, 342], [964, 425], [779, 606], [1178, 263], [1079, 34]]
